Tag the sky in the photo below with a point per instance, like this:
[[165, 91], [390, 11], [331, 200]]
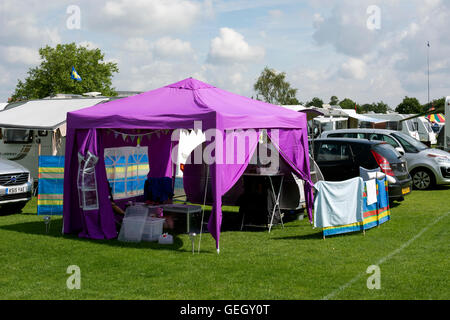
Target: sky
[[366, 50]]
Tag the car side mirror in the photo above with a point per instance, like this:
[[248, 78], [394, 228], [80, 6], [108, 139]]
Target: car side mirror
[[400, 150]]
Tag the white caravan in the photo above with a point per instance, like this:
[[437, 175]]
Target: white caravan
[[425, 130], [37, 127], [393, 122]]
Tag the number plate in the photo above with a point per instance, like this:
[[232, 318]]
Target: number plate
[[14, 190], [406, 190]]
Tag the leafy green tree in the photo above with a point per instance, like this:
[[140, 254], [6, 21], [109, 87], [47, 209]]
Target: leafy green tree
[[380, 107], [367, 107], [350, 104], [409, 106], [315, 102], [377, 107], [52, 76], [334, 101], [273, 88]]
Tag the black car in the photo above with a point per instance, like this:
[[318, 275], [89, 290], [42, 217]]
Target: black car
[[340, 158]]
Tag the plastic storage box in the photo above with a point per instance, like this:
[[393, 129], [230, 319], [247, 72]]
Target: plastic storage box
[[137, 210], [153, 229], [132, 229]]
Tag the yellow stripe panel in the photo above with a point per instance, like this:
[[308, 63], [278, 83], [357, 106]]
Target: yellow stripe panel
[[370, 219], [50, 202], [344, 226], [51, 170], [384, 214]]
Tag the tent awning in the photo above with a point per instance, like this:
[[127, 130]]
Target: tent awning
[[310, 112], [360, 117], [43, 114], [329, 119]]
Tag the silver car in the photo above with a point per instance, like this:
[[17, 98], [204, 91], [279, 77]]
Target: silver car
[[427, 166], [16, 186]]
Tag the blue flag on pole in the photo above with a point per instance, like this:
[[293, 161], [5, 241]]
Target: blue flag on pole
[[74, 75]]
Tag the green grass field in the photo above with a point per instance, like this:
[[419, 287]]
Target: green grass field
[[412, 251]]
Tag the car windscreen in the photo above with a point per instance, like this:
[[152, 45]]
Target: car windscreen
[[410, 144], [387, 151]]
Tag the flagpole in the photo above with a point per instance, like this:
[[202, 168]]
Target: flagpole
[[428, 62]]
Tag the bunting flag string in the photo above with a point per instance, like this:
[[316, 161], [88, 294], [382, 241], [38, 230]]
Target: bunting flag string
[[138, 135]]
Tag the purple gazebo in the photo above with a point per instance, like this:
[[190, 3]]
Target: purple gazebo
[[176, 106]]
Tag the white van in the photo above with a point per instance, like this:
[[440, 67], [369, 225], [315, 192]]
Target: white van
[[394, 123]]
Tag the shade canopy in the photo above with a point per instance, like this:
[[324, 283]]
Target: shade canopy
[[438, 117], [188, 104]]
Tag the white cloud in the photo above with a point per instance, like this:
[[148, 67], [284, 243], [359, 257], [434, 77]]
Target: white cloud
[[143, 17], [137, 45], [275, 13], [21, 55], [167, 47], [393, 59], [354, 69], [230, 47], [19, 24]]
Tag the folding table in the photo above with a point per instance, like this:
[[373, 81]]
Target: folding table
[[182, 208], [275, 195]]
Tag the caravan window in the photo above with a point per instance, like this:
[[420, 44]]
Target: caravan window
[[17, 136], [411, 125], [394, 125], [427, 126]]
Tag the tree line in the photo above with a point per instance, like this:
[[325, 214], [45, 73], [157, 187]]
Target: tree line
[[53, 76], [272, 87]]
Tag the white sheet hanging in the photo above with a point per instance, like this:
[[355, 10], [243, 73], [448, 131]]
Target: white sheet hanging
[[338, 203], [371, 187]]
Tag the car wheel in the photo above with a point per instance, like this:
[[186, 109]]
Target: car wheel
[[423, 179]]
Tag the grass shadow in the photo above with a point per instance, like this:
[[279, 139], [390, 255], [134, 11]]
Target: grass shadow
[[310, 236], [55, 231]]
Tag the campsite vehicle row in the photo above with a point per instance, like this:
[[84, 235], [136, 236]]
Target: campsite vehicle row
[[427, 166], [27, 135]]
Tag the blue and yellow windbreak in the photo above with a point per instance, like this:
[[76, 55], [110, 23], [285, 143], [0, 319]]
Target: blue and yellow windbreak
[[50, 185]]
